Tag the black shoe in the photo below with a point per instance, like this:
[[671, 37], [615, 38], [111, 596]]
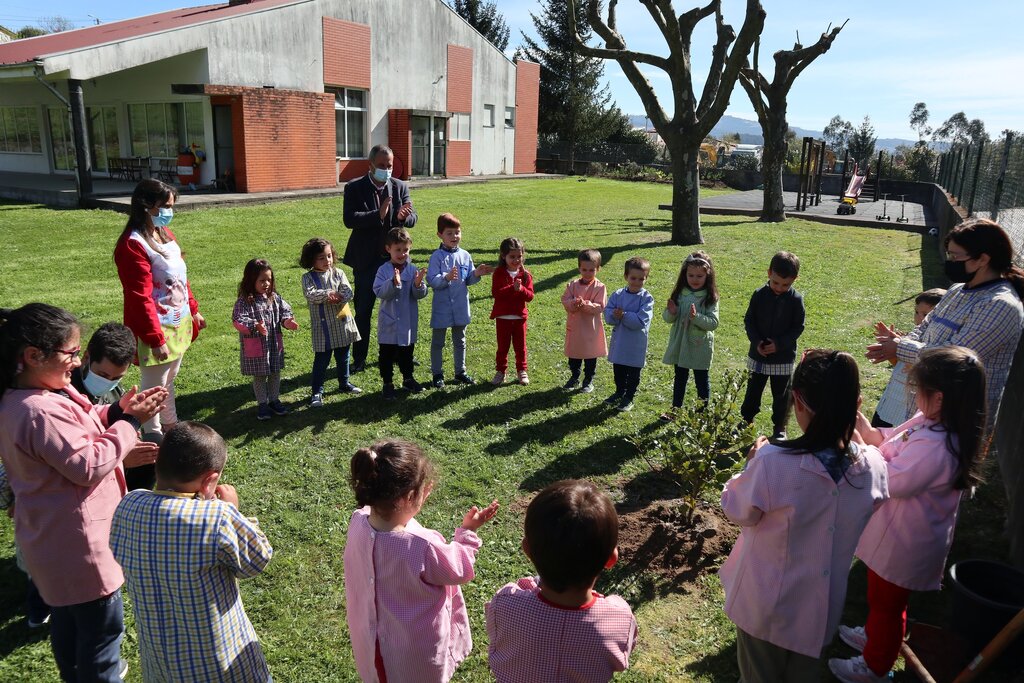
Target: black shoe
[[412, 386], [349, 388], [573, 382], [277, 407], [357, 367], [389, 392], [463, 378], [438, 382], [614, 398]]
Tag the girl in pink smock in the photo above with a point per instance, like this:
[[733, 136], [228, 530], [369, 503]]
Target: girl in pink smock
[[406, 615], [932, 458], [584, 302], [63, 459], [802, 504]]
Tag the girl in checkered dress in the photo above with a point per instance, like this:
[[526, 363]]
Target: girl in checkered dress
[[406, 615], [259, 315]]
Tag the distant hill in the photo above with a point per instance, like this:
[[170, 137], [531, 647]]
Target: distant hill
[[750, 132]]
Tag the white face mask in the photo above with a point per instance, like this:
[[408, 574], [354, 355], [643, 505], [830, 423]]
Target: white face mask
[[98, 386]]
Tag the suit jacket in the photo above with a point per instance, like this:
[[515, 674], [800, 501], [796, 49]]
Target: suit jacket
[[362, 216]]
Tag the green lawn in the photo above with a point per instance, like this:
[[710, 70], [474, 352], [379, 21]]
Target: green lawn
[[505, 443]]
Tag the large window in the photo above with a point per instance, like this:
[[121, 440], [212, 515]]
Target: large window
[[164, 129], [350, 123], [488, 116], [460, 124], [103, 135], [19, 130], [60, 137]]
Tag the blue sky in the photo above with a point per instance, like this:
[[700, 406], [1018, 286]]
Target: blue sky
[[952, 55]]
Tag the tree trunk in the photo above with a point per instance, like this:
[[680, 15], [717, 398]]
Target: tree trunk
[[773, 159], [685, 196]]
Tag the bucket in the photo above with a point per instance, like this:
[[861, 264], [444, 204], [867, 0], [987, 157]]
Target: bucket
[[986, 595]]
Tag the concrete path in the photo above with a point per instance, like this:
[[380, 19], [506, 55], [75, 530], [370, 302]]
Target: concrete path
[[749, 203]]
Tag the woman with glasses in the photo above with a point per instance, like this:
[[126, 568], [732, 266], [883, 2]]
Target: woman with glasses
[[981, 311], [63, 460], [158, 303]]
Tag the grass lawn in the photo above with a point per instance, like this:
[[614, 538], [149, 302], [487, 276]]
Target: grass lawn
[[503, 443]]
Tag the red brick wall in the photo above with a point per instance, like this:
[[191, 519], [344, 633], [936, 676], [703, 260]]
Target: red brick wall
[[459, 157], [353, 168], [400, 141], [527, 95], [460, 79], [346, 53], [285, 138]]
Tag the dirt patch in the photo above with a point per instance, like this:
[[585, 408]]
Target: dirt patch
[[656, 538]]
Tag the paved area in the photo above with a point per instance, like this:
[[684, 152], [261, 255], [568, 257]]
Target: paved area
[[116, 195], [919, 216]]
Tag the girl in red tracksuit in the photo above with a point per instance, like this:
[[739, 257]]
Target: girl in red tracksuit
[[512, 289]]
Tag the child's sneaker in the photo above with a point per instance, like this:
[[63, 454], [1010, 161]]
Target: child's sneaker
[[438, 382], [499, 378], [277, 407], [854, 636], [573, 382], [524, 379], [588, 385], [463, 378], [349, 388], [36, 622], [316, 401], [412, 386], [855, 670], [614, 398], [624, 406], [668, 416], [263, 412], [389, 392]]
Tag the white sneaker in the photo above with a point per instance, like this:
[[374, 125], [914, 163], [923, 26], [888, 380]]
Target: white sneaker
[[499, 378], [854, 670], [524, 379], [316, 401], [854, 636]]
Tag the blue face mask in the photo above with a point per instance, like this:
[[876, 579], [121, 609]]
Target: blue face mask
[[98, 386], [381, 175], [163, 217]]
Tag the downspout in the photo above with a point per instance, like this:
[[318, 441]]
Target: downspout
[[76, 116]]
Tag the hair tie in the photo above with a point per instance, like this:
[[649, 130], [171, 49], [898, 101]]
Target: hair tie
[[697, 260], [373, 453], [971, 359]]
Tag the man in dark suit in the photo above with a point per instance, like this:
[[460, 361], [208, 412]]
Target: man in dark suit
[[374, 204]]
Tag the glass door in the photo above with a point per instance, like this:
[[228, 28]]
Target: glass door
[[103, 135], [440, 145], [420, 128]]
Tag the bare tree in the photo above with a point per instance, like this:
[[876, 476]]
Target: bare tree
[[56, 24], [769, 100], [692, 118]]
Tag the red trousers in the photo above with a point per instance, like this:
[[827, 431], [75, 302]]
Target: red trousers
[[510, 332], [887, 623]]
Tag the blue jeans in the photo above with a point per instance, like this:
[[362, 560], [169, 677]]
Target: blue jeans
[[86, 640], [321, 361]]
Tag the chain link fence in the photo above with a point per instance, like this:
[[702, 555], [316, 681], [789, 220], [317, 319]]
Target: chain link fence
[[988, 181]]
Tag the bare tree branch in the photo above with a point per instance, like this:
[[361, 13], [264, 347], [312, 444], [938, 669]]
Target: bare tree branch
[[726, 35], [753, 24], [616, 45], [751, 80], [801, 58]]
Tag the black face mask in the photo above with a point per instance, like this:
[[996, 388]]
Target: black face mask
[[956, 271]]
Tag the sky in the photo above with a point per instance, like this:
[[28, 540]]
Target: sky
[[954, 56]]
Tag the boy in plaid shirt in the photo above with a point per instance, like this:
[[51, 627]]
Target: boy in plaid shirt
[[557, 627], [183, 548]]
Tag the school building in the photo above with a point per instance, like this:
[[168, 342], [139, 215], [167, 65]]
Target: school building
[[269, 94]]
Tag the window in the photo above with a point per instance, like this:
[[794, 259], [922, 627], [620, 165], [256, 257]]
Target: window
[[460, 127], [163, 129], [488, 116], [19, 130], [63, 148], [350, 123], [510, 117], [103, 135]]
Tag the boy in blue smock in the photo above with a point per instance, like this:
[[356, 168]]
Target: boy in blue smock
[[399, 286], [450, 274], [629, 312]]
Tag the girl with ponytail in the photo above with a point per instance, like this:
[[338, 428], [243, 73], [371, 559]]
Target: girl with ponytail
[[406, 615]]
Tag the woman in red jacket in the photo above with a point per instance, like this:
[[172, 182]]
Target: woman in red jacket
[[158, 303]]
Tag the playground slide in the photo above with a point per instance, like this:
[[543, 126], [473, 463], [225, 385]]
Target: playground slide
[[856, 185], [848, 203]]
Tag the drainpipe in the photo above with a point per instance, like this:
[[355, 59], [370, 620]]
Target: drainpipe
[[76, 114]]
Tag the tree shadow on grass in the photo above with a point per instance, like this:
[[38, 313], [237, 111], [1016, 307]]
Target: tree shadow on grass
[[553, 430], [517, 407], [717, 666], [15, 633]]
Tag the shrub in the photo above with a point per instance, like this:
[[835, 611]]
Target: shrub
[[704, 446]]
